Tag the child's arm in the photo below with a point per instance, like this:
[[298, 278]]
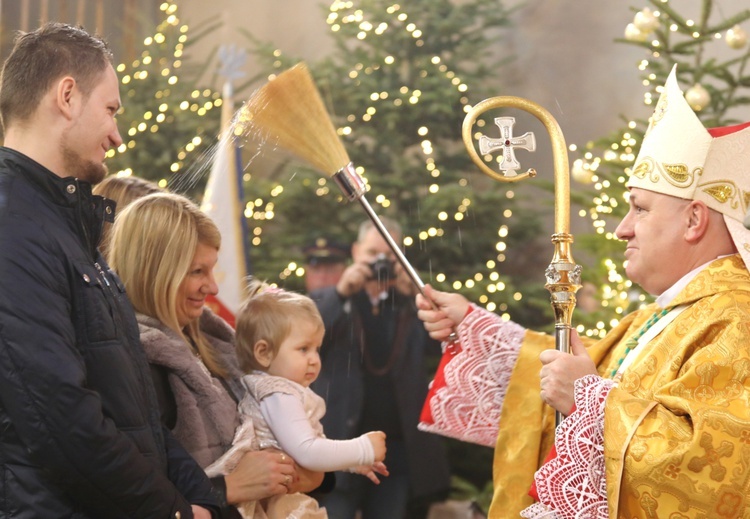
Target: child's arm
[[288, 421]]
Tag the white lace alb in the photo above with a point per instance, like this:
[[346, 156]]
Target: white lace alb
[[572, 485], [476, 378]]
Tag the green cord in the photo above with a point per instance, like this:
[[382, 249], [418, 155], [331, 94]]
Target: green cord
[[633, 341]]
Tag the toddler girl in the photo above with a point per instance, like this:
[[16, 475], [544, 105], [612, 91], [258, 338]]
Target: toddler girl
[[279, 334]]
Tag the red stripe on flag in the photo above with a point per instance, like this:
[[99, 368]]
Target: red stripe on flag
[[219, 309]]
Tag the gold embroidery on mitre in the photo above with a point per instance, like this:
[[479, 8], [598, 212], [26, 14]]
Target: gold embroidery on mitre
[[646, 168], [745, 200], [679, 175], [660, 111], [723, 192], [643, 168]]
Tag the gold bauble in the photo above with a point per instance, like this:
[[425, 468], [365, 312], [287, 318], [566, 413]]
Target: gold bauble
[[646, 20], [736, 38], [633, 33], [697, 97]]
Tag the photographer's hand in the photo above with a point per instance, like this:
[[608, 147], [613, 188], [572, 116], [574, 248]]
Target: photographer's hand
[[353, 279]]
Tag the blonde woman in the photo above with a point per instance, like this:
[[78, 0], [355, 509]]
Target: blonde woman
[[164, 249]]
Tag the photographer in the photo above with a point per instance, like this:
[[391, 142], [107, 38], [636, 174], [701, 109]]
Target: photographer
[[374, 378]]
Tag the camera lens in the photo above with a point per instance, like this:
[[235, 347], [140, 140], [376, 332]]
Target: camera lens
[[382, 267]]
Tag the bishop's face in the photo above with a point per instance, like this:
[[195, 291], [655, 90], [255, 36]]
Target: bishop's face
[[657, 253]]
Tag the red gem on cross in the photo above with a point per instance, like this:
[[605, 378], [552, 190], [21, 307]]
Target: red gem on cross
[[507, 142]]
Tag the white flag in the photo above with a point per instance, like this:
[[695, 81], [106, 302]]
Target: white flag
[[223, 202]]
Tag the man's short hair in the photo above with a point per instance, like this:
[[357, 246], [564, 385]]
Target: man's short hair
[[392, 226], [41, 57]]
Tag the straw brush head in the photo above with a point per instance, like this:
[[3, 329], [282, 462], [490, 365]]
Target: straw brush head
[[289, 112]]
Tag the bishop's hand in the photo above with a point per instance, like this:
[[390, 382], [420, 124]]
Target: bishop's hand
[[451, 310], [561, 370]]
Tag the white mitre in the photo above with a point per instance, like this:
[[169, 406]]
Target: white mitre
[[681, 158]]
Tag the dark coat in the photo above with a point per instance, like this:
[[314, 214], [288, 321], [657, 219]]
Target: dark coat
[[80, 435], [342, 384]]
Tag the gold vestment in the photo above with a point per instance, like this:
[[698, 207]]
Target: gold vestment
[[677, 427]]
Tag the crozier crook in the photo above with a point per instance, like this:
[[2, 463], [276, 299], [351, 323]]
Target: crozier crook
[[563, 276]]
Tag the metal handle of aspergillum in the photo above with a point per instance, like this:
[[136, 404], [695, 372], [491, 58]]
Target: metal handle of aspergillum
[[563, 276], [353, 188]]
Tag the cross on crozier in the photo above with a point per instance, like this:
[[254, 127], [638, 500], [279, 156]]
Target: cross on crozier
[[507, 143]]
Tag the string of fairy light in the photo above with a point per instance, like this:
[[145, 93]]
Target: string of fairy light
[[165, 103], [617, 292], [341, 14]]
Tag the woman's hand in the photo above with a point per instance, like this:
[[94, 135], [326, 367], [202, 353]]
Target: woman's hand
[[200, 513], [306, 480], [260, 474]]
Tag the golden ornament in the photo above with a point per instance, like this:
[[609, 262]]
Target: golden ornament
[[736, 38], [697, 97], [633, 33], [646, 21]]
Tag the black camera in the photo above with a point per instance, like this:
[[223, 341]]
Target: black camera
[[382, 268]]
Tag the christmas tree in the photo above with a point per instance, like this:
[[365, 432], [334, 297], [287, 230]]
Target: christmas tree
[[711, 55], [398, 87], [167, 123]]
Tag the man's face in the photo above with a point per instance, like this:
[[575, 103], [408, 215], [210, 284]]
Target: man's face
[[657, 253], [93, 130], [367, 250]]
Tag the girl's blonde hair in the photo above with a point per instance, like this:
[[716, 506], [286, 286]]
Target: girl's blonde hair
[[268, 314], [152, 247]]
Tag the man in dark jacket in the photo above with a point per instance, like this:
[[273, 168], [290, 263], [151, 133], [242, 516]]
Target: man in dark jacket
[[80, 434], [374, 377]]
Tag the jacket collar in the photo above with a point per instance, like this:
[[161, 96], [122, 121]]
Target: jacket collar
[[66, 191]]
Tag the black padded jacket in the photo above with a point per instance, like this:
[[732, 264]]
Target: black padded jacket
[[80, 435]]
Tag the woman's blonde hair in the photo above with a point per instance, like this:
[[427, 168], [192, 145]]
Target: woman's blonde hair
[[152, 248], [268, 314], [123, 190]]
